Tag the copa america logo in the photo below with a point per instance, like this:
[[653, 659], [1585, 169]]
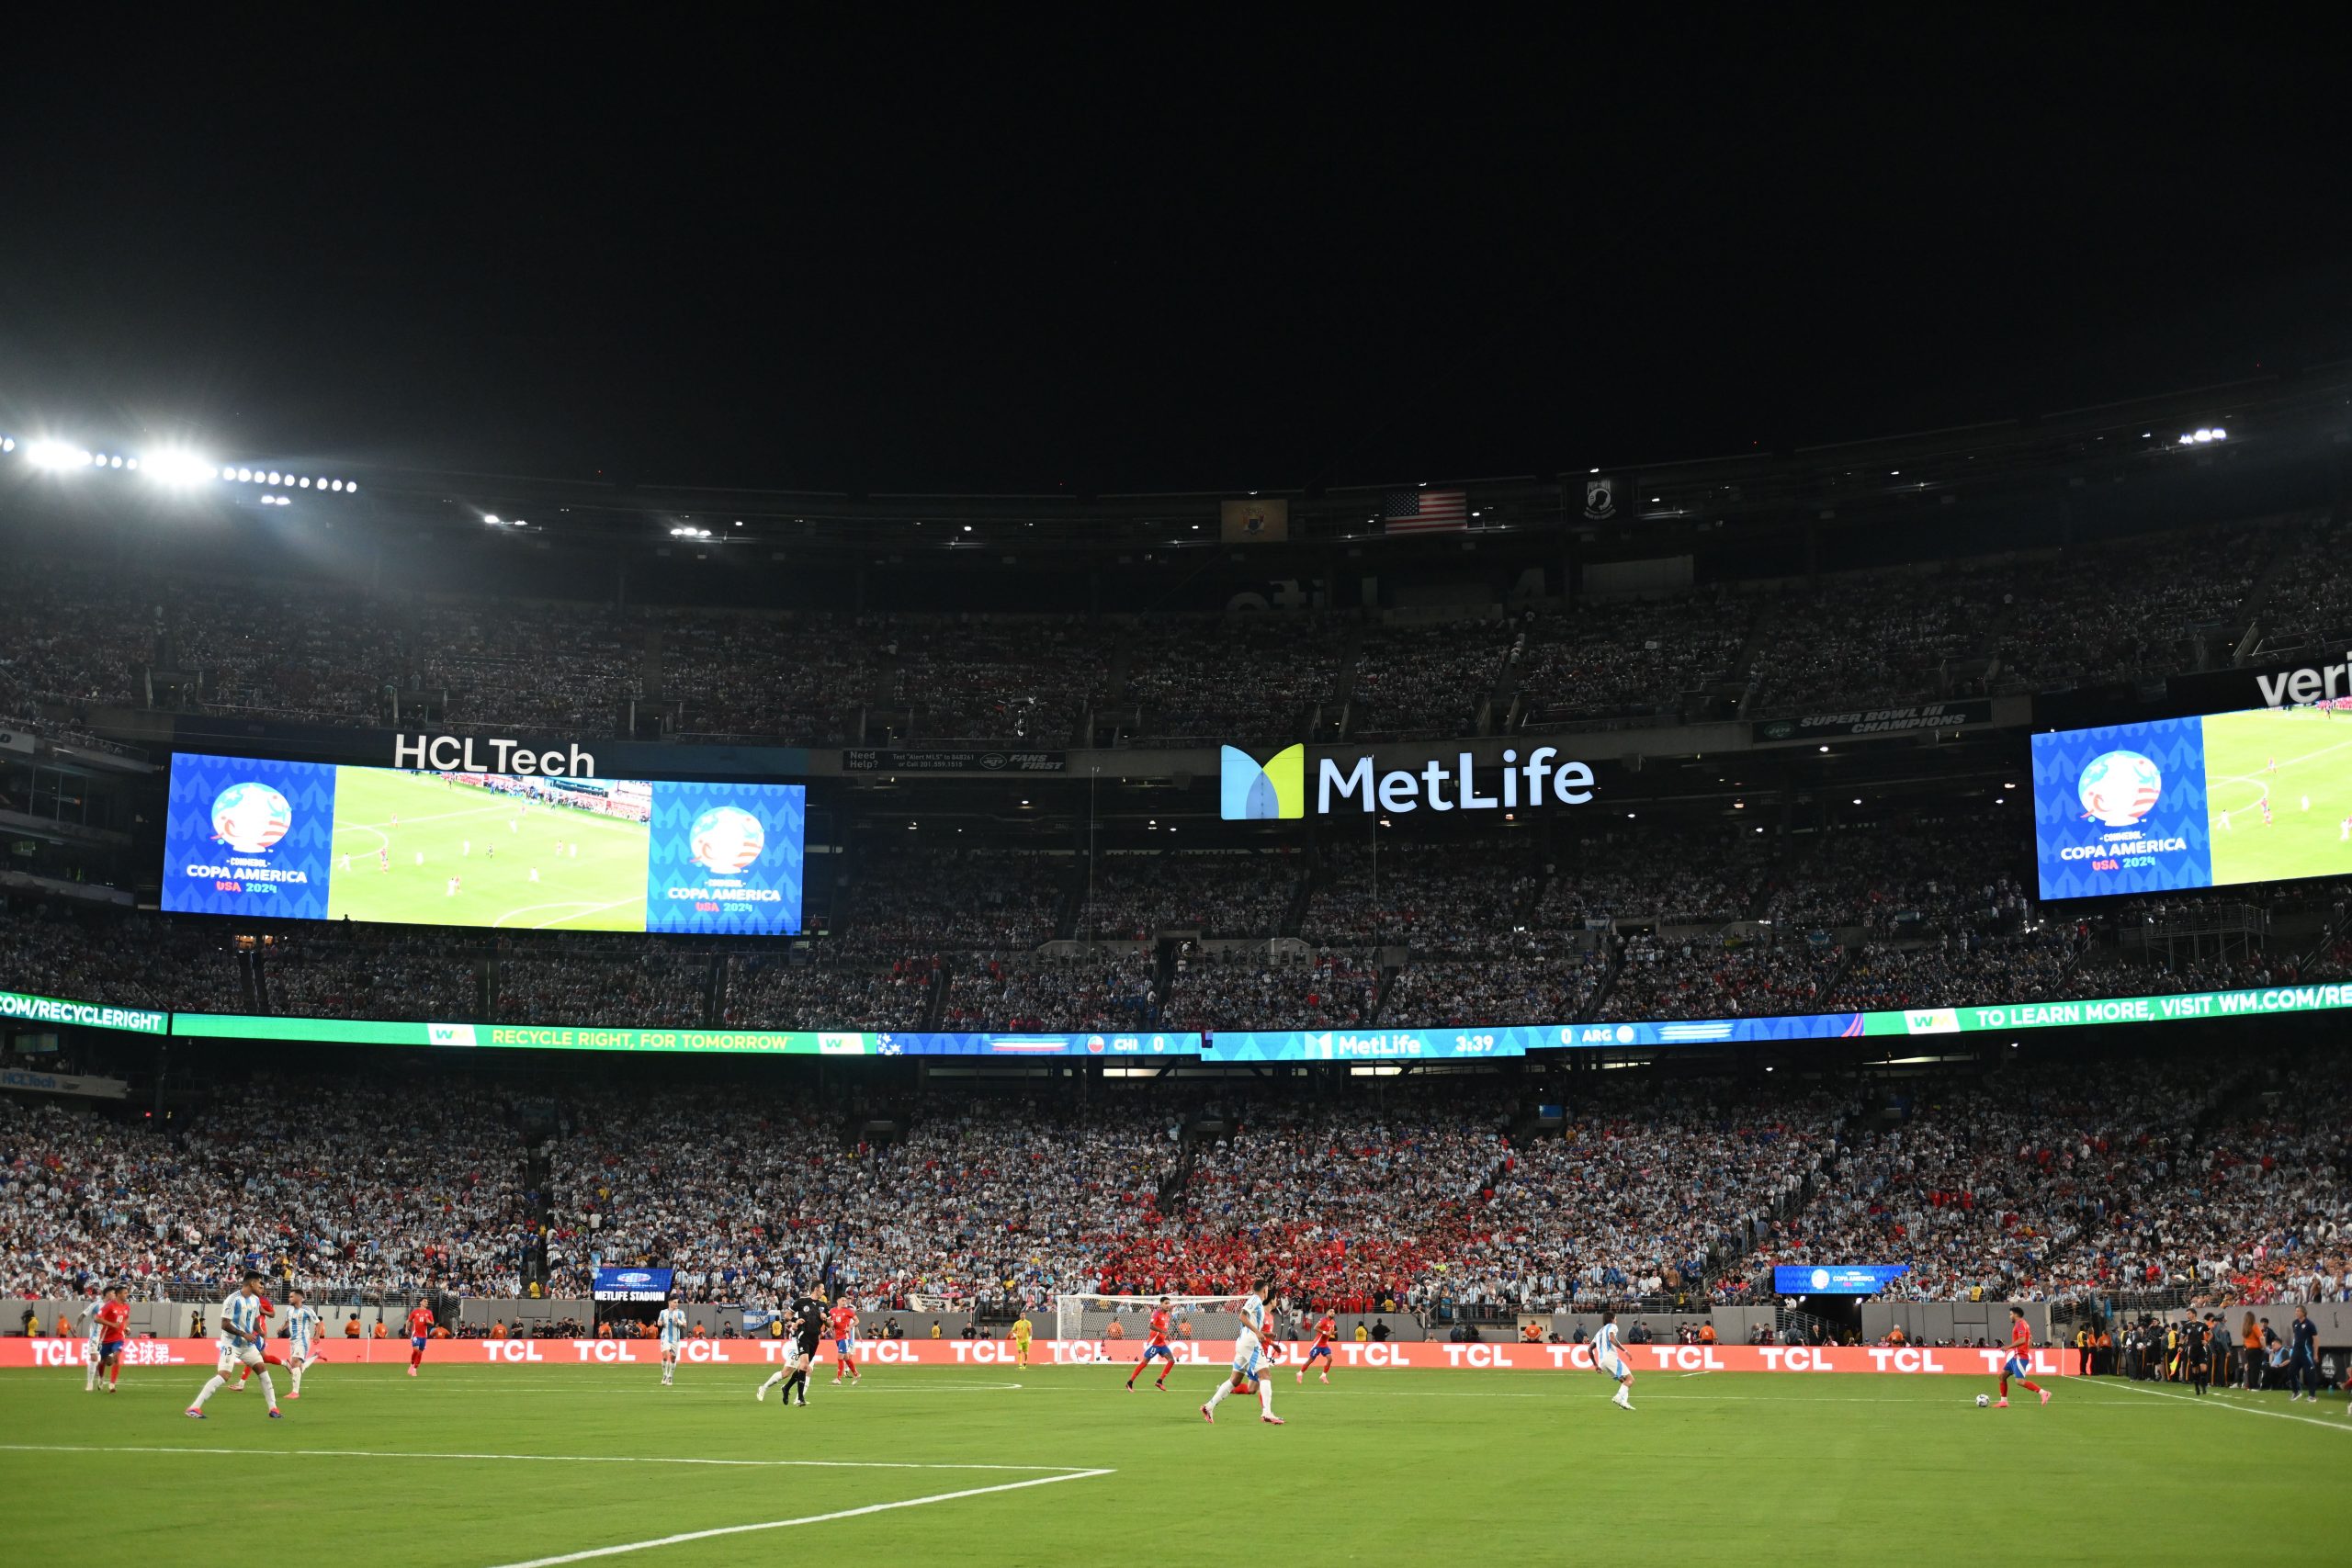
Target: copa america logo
[[2120, 787], [1821, 1279], [250, 817], [726, 839]]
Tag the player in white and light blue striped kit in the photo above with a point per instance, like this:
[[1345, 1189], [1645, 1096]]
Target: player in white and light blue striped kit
[[671, 1322], [303, 1330], [240, 1340], [1610, 1359], [1250, 1360]]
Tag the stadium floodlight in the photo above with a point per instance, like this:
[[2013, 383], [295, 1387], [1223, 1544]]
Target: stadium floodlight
[[57, 456], [114, 462], [178, 469], [7, 444], [491, 518], [2220, 434], [244, 476]]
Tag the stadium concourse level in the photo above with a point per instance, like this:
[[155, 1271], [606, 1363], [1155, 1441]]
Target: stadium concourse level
[[1683, 922], [2215, 1182], [79, 637]]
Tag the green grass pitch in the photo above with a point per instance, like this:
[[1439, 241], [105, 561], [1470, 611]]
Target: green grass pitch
[[600, 889], [474, 1466], [2314, 757]]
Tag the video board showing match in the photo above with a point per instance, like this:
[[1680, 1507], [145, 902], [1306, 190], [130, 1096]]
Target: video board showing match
[[2259, 796], [320, 841]]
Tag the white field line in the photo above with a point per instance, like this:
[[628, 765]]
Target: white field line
[[688, 1536]]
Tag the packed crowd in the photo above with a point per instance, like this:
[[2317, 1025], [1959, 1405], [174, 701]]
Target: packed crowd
[[1712, 977], [1537, 983], [342, 1184], [1248, 987], [775, 992], [136, 961], [1134, 896], [2060, 1183], [653, 988], [983, 1197], [1460, 900], [328, 974], [2057, 1182], [1103, 989], [1629, 658], [1651, 1189], [75, 637]]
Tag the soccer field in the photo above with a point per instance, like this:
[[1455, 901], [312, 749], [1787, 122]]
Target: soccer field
[[471, 1466], [2313, 753], [492, 843]]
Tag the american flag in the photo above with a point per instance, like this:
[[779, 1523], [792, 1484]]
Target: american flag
[[1425, 510]]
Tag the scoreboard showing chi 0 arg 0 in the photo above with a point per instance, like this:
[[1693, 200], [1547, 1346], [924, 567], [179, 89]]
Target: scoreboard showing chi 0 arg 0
[[321, 841]]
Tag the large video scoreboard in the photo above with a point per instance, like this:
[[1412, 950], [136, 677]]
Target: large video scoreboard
[[2259, 796], [321, 841]]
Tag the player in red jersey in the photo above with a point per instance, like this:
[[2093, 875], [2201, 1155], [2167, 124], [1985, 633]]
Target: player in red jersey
[[842, 1320], [114, 1333], [1321, 1351], [1156, 1348], [2019, 1362], [246, 1373], [420, 1329]]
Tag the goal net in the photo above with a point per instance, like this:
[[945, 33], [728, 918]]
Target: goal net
[[1128, 1318]]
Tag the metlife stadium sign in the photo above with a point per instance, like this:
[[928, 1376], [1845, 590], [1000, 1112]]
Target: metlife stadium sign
[[631, 1284], [1280, 787]]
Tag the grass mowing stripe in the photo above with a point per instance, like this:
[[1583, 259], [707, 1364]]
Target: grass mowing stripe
[[536, 1458], [684, 1537]]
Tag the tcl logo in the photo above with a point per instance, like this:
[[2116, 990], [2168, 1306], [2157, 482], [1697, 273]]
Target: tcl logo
[[603, 1350]]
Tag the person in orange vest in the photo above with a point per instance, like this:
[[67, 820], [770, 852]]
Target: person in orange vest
[[1707, 1333]]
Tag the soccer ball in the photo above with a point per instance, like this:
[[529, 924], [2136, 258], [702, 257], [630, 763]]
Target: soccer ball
[[1982, 1400]]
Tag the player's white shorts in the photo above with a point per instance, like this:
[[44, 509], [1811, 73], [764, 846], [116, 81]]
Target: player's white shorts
[[1612, 1363], [235, 1355], [298, 1353]]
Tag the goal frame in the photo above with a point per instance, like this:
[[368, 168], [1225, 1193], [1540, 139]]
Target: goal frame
[[1070, 1311]]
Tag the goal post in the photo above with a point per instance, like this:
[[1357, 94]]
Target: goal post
[[1084, 1318]]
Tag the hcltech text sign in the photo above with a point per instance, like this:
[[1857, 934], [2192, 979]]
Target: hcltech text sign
[[1278, 787]]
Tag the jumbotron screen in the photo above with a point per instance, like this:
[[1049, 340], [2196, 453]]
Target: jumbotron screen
[[2259, 796], [319, 842]]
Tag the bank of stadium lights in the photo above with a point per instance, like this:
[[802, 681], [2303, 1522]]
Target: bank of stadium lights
[[2204, 435], [171, 467], [689, 533]]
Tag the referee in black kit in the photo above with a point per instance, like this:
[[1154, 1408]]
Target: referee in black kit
[[807, 1333]]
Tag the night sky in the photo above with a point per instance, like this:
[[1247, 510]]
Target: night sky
[[1090, 261]]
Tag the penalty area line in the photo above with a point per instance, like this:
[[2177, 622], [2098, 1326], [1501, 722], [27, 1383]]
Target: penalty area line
[[683, 1538]]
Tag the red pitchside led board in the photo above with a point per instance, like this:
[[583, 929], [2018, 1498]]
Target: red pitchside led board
[[1908, 1360]]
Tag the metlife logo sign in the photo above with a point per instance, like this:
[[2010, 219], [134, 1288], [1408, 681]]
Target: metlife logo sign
[[1282, 786]]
